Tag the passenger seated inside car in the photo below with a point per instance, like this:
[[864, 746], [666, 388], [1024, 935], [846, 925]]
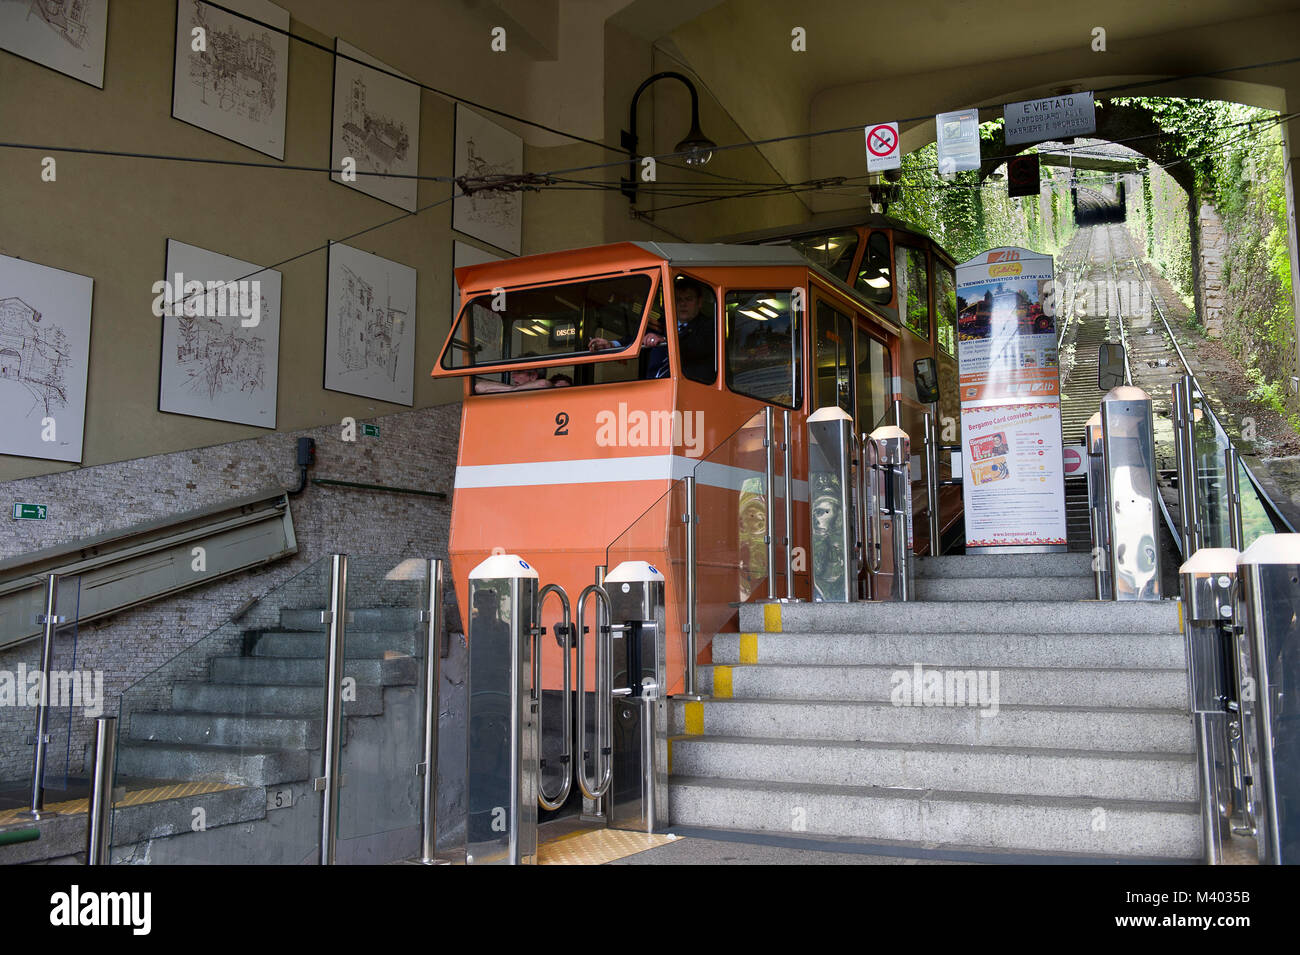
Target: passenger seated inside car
[[527, 379]]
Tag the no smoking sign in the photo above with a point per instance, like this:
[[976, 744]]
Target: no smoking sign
[[882, 147]]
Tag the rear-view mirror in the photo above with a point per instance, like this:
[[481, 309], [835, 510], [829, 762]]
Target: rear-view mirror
[[1110, 366], [927, 380]]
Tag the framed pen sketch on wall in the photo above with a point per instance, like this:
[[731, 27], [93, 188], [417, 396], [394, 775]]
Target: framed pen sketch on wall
[[44, 355], [484, 149], [221, 337], [237, 82], [376, 127], [370, 326], [67, 36]]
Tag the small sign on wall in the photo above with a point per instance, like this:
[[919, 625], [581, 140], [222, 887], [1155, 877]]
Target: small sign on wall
[[29, 512]]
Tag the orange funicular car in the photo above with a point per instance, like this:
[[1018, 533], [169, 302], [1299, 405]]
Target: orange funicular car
[[596, 379]]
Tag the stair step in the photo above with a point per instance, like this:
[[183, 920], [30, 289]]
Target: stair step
[[236, 699], [171, 817], [310, 671], [1130, 828], [225, 729], [1161, 777], [361, 644], [1001, 589], [1019, 617], [362, 618], [1118, 650], [1004, 565], [1124, 729], [1043, 686], [199, 763]]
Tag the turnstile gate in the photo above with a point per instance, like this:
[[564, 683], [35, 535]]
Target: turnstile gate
[[507, 754]]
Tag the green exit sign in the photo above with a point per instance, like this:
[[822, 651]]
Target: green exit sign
[[370, 430], [29, 512]]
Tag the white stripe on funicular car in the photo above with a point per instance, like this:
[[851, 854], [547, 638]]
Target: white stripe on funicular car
[[650, 467]]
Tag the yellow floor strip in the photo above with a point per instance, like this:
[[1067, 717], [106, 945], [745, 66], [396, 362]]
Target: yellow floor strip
[[722, 681], [694, 719], [749, 648], [135, 797], [597, 847], [772, 618]]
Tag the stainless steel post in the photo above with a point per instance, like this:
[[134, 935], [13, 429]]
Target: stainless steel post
[[691, 626], [898, 412], [100, 812], [769, 494], [1208, 581], [1232, 488], [432, 683], [328, 783], [789, 508], [1097, 508], [1185, 460], [49, 623], [932, 481]]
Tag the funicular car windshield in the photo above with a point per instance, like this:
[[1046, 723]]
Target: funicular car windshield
[[554, 323]]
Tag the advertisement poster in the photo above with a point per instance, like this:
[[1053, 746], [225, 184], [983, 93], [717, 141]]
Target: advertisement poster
[[1014, 485]]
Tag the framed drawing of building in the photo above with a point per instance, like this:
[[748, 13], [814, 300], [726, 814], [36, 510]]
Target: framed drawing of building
[[376, 128], [485, 149], [370, 326], [44, 354], [221, 337], [65, 35], [237, 83]]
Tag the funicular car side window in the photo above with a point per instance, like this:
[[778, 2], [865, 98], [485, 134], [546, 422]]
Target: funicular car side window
[[913, 289], [945, 305], [873, 282], [696, 307], [833, 252], [763, 346]]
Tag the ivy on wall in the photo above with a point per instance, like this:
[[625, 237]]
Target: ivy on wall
[[1240, 171], [966, 216]]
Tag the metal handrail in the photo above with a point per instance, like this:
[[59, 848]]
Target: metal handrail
[[543, 800], [1275, 515], [602, 764]]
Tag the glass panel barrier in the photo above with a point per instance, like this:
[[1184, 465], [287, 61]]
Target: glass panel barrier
[[75, 696], [1208, 444], [657, 536], [731, 555], [218, 747], [384, 654]]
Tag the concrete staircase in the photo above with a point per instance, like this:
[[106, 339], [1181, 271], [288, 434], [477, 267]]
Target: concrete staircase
[[1003, 711], [256, 720]]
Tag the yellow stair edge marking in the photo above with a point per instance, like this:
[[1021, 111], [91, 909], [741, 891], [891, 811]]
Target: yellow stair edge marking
[[772, 618], [135, 797], [695, 718], [598, 846], [749, 648], [722, 681]]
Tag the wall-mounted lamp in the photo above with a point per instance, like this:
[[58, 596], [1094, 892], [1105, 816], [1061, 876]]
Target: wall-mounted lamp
[[697, 147]]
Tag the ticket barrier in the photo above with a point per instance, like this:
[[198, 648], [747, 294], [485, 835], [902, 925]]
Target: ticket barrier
[[885, 518], [627, 749], [1269, 576], [1215, 687], [1132, 512]]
